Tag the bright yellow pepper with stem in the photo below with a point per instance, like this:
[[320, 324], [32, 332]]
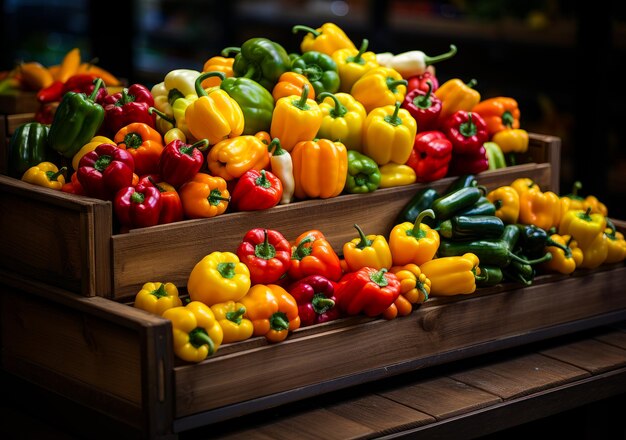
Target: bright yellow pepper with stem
[[379, 87], [218, 277], [563, 261], [452, 275], [320, 168], [231, 158], [539, 208], [326, 39], [353, 64], [157, 297], [395, 174], [389, 134], [615, 243], [506, 200], [588, 230], [343, 119], [196, 332], [217, 64], [367, 251], [456, 95], [414, 289], [45, 174], [523, 184], [414, 243], [229, 315], [511, 140], [295, 119]]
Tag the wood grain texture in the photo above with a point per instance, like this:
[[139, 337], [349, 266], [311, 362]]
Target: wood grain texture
[[591, 355], [616, 338], [520, 376]]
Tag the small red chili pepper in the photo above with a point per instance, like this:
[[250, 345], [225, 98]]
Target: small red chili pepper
[[420, 82]]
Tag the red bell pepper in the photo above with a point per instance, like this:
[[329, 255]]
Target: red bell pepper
[[138, 207], [471, 163], [420, 82], [368, 290], [171, 204], [425, 107], [267, 254], [312, 254], [180, 162], [315, 296], [467, 131], [84, 83], [130, 105], [431, 155], [52, 93], [105, 170], [256, 190]]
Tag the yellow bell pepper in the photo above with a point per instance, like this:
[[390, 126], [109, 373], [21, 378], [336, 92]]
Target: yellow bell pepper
[[217, 64], [295, 119], [588, 230], [511, 140], [320, 168], [578, 202], [353, 64], [395, 174], [616, 245], [231, 158], [342, 119], [272, 310], [563, 261], [367, 251], [596, 253], [229, 315], [174, 134], [389, 134], [157, 297], [523, 184], [179, 108], [506, 200], [89, 146], [45, 174], [182, 80], [542, 209], [414, 289], [218, 277], [326, 39], [455, 95], [452, 275], [379, 87], [414, 243], [196, 332], [214, 116], [597, 207]]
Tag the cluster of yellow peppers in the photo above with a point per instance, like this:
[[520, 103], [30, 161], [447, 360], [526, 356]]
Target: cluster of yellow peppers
[[582, 224]]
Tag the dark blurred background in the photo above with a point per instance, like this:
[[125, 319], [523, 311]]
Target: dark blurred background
[[561, 60]]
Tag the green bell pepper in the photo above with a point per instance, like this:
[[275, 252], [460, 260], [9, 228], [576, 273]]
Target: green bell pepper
[[363, 173], [28, 147], [261, 60], [76, 121], [320, 69], [495, 156]]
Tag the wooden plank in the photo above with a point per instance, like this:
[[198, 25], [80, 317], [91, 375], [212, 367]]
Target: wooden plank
[[617, 338], [442, 397], [520, 376], [591, 355], [22, 102]]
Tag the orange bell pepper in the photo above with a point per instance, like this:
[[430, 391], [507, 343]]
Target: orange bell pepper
[[499, 113], [272, 310], [295, 119], [455, 95], [320, 168], [542, 209], [231, 158], [290, 84], [144, 143], [217, 64], [312, 254], [204, 196]]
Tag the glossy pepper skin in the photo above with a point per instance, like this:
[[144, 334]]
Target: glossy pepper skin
[[320, 168], [157, 297], [320, 69], [369, 291], [267, 253], [326, 39], [363, 174], [45, 174], [204, 196], [425, 107], [565, 258], [467, 132], [217, 64], [396, 174], [414, 289], [196, 332], [281, 164], [367, 251], [315, 296], [171, 205], [257, 190], [229, 315], [539, 208], [90, 146], [414, 243], [588, 230], [499, 113], [506, 199], [352, 64], [231, 158], [128, 106], [312, 254], [105, 170], [73, 186], [379, 87], [28, 147], [389, 134], [144, 143], [456, 95], [217, 278], [495, 156], [261, 60], [138, 207], [296, 119], [452, 275], [412, 62], [533, 241], [616, 245], [421, 81], [180, 162], [430, 156], [76, 120], [272, 310], [291, 83], [512, 140], [343, 119]]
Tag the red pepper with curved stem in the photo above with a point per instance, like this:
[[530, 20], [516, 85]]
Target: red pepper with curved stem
[[368, 290], [256, 190], [267, 254], [138, 207], [420, 81], [171, 205], [425, 107], [312, 254], [180, 161], [315, 296], [431, 155], [467, 131], [130, 105], [105, 170]]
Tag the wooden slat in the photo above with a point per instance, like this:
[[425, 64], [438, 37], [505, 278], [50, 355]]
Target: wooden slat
[[442, 397], [617, 338], [591, 355], [21, 102], [520, 376]]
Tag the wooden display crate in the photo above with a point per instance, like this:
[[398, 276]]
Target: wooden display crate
[[69, 242], [22, 102], [8, 124]]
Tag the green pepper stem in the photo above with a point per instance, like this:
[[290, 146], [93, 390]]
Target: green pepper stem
[[308, 29], [226, 270], [265, 250], [420, 286], [275, 145], [365, 242], [507, 119], [161, 115], [358, 58], [156, 184], [173, 95], [576, 186], [199, 337], [228, 50], [393, 83], [301, 251], [379, 277], [279, 321], [236, 315], [394, 119], [321, 303], [566, 250], [423, 101], [546, 257], [215, 197], [98, 83], [160, 292], [54, 176], [417, 231], [444, 56], [339, 110], [472, 83], [468, 128], [263, 181], [198, 84], [301, 103]]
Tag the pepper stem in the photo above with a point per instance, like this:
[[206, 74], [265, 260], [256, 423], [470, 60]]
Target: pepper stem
[[263, 181], [576, 186], [417, 231], [156, 184], [379, 277], [365, 242], [507, 119], [301, 251], [358, 59], [215, 197], [160, 292], [444, 56], [161, 115], [394, 119], [339, 110], [392, 84], [468, 128], [228, 50], [423, 101], [265, 250], [275, 145], [322, 304], [546, 257], [566, 250], [236, 315], [198, 84], [226, 270], [301, 103], [473, 82], [199, 337], [54, 176], [279, 321], [308, 29], [98, 83]]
